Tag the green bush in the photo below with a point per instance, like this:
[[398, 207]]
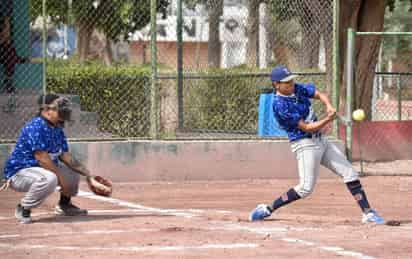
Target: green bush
[[219, 101], [222, 102], [213, 101], [118, 94]]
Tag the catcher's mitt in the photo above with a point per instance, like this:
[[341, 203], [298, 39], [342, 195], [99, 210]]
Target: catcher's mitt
[[100, 185]]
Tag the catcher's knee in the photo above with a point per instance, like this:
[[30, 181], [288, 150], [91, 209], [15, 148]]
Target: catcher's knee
[[45, 185]]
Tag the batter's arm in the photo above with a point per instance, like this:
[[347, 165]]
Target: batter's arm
[[325, 100], [316, 125]]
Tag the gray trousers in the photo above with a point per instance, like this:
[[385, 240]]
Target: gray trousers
[[316, 151], [38, 183]]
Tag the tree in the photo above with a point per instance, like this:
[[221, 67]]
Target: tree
[[398, 49], [112, 18], [215, 9], [299, 26], [252, 52], [215, 12], [303, 18], [365, 15]]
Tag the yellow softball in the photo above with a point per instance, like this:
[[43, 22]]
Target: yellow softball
[[358, 115]]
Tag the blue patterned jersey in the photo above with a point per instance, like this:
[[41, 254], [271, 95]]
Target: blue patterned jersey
[[289, 110], [36, 135]]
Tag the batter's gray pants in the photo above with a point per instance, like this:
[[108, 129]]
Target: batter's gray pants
[[313, 152], [38, 183]]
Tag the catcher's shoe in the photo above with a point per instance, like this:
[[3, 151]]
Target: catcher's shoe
[[259, 213], [69, 210], [23, 215], [372, 217]]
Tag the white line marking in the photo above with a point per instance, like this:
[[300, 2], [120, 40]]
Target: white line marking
[[135, 211], [331, 248], [300, 241], [261, 231], [134, 205], [9, 236], [92, 232], [338, 250], [134, 248]]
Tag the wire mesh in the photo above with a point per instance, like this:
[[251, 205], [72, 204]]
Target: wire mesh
[[220, 105], [98, 53], [229, 48], [392, 97], [21, 73], [384, 139]]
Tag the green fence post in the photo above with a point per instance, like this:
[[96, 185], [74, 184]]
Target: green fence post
[[399, 96], [349, 87], [154, 132], [335, 65], [180, 63], [44, 58]]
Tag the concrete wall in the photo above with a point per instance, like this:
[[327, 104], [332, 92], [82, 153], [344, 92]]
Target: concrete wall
[[185, 160]]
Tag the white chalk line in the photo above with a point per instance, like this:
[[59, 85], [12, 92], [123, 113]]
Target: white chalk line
[[272, 232], [232, 226], [189, 213], [180, 213], [134, 248], [337, 250], [91, 232], [90, 212]]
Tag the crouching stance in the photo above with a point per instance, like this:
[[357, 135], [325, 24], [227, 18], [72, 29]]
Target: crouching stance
[[41, 161]]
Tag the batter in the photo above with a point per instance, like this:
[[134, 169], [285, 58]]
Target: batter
[[293, 110]]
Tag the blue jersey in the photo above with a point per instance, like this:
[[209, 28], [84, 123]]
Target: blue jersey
[[289, 110], [36, 135]]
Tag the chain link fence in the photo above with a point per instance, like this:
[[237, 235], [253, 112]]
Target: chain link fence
[[392, 88], [209, 71], [228, 50], [392, 100], [20, 73], [381, 144]]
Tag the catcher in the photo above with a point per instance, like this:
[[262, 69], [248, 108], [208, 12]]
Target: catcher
[[41, 161]]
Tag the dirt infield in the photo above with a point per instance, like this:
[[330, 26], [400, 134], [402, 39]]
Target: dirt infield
[[209, 220]]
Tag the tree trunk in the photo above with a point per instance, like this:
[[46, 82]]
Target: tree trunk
[[309, 49], [105, 53], [215, 8], [365, 15], [253, 34], [309, 45], [83, 39], [108, 53], [309, 19], [282, 52]]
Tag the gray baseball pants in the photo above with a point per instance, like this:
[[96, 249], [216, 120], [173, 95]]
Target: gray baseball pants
[[313, 152], [38, 183]]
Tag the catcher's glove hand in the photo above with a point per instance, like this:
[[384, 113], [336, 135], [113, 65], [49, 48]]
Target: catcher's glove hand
[[99, 185]]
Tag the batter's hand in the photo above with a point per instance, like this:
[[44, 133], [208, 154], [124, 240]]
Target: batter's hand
[[330, 110], [331, 115]]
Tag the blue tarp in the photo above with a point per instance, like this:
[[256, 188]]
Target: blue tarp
[[268, 126]]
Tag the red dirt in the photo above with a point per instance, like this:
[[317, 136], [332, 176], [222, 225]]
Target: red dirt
[[328, 218]]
